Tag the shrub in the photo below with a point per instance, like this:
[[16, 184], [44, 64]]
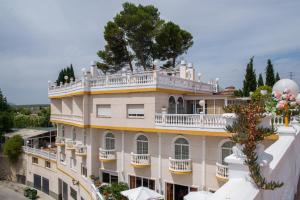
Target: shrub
[[257, 96], [114, 190], [13, 148]]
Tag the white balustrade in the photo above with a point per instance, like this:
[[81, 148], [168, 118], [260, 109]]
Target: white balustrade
[[70, 144], [222, 171], [155, 79], [190, 120], [40, 152], [140, 159], [180, 165], [105, 154], [80, 149]]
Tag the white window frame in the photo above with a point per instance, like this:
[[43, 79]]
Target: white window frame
[[136, 113], [221, 148], [143, 144], [108, 140], [107, 112], [182, 147]]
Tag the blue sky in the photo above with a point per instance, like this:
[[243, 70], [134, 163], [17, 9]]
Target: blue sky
[[38, 38]]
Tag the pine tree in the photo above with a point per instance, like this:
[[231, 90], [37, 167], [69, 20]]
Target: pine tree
[[270, 77], [260, 81], [277, 77], [250, 83]]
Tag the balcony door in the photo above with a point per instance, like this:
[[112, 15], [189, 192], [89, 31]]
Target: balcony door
[[109, 141], [226, 150], [142, 144], [181, 147]]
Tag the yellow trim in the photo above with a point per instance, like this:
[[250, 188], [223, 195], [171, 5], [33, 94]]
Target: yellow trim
[[125, 91], [180, 173], [66, 173], [139, 166], [222, 179], [60, 144], [158, 130], [106, 160]]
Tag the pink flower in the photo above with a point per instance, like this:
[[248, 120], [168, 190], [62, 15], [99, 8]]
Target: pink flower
[[292, 97], [277, 95], [286, 91]]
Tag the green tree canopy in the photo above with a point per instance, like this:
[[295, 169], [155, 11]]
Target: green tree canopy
[[172, 41], [137, 36], [68, 71], [250, 83], [13, 148], [260, 81], [277, 78], [270, 77]]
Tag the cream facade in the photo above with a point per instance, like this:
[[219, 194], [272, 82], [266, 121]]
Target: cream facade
[[151, 129]]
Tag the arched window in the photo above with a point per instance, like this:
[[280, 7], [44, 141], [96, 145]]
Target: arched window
[[109, 141], [226, 150], [63, 131], [74, 134], [142, 145], [172, 105], [181, 149], [180, 106]]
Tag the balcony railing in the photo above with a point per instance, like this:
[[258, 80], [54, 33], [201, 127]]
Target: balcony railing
[[153, 79], [139, 160], [60, 141], [80, 150], [179, 166], [70, 144], [190, 120], [107, 155], [68, 117], [222, 171], [40, 152]]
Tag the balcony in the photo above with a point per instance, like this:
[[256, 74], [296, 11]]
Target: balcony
[[39, 152], [153, 79], [140, 160], [62, 158], [70, 144], [107, 155], [206, 121], [60, 141], [80, 150], [222, 171], [179, 166], [73, 163], [68, 117]]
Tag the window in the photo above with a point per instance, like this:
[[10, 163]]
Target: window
[[103, 110], [135, 182], [47, 164], [62, 157], [180, 105], [73, 193], [35, 160], [109, 141], [74, 134], [226, 150], [73, 163], [135, 110], [172, 105], [83, 170], [181, 149], [142, 144], [109, 178]]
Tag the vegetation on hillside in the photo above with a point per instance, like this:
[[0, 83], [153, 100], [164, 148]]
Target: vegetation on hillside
[[13, 148]]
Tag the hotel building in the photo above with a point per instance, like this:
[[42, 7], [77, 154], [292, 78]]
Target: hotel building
[[158, 129]]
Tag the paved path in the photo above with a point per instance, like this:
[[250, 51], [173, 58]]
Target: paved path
[[9, 194]]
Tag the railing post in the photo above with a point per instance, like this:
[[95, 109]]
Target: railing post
[[163, 115]]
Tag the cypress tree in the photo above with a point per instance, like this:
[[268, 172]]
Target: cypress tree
[[277, 77], [250, 83], [260, 81], [270, 77]]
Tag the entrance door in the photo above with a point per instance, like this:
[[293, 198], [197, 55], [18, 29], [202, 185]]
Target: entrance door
[[45, 187], [180, 191], [37, 184], [65, 191]]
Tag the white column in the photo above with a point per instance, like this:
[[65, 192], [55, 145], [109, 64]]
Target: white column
[[159, 164], [203, 163], [214, 106]]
